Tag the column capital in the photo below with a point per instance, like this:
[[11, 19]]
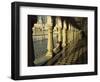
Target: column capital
[[49, 21]]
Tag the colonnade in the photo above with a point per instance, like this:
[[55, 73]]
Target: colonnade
[[66, 33]]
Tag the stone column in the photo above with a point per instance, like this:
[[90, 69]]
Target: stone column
[[69, 34], [59, 24], [77, 34], [69, 26], [50, 37], [80, 35], [72, 34], [59, 35], [64, 33]]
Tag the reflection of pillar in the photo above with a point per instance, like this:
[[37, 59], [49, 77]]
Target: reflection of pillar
[[50, 36], [64, 41]]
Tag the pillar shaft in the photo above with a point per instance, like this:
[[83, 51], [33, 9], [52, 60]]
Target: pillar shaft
[[59, 35], [59, 24], [50, 40], [64, 33], [69, 26], [50, 36]]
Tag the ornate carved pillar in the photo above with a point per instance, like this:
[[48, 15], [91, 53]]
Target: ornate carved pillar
[[59, 24], [69, 34], [50, 37], [64, 33], [59, 34], [80, 35], [69, 26]]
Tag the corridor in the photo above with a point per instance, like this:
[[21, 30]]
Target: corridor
[[59, 40]]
